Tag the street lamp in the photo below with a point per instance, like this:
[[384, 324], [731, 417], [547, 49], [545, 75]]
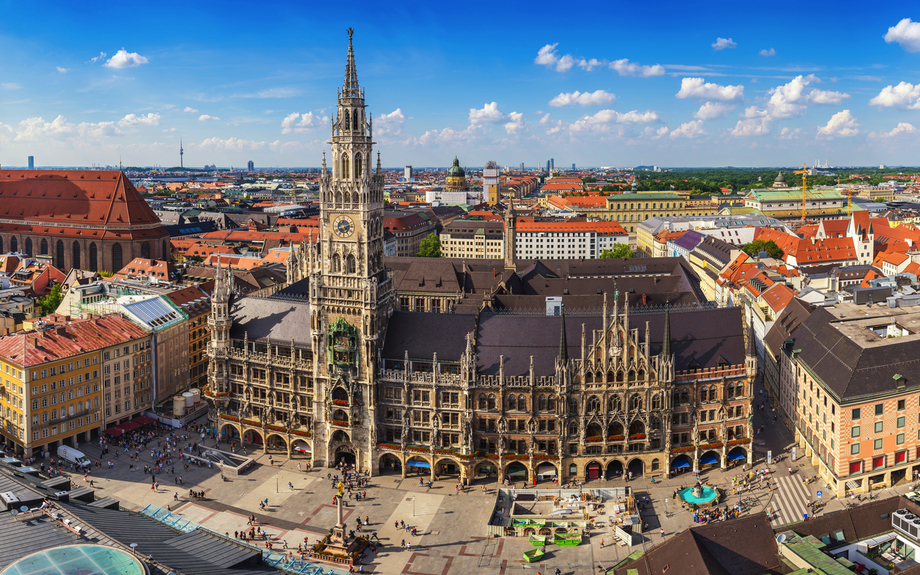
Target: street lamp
[[413, 506]]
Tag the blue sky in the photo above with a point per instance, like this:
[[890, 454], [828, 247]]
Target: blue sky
[[597, 84]]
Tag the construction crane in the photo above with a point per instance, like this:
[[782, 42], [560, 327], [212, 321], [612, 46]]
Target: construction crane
[[804, 172]]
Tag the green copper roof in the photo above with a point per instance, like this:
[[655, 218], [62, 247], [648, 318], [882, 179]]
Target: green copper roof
[[455, 170]]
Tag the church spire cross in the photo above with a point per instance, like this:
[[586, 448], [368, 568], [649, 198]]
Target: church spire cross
[[351, 74]]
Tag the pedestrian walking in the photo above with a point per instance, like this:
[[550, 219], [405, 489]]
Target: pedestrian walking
[[662, 532]]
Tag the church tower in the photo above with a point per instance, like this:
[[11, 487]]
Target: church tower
[[350, 290]]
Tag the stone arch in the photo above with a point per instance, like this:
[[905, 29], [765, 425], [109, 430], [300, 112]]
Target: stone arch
[[270, 443], [620, 376], [636, 467], [420, 463], [547, 468], [29, 247], [637, 427], [486, 468], [229, 431], [517, 470], [339, 415], [93, 257], [593, 470], [614, 469], [615, 429], [656, 464], [75, 261], [253, 436], [446, 466], [117, 263], [145, 250], [737, 454], [302, 446], [389, 463], [593, 431], [681, 461], [344, 453], [339, 393], [711, 458]]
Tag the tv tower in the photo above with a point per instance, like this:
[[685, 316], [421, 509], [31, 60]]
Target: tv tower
[[181, 153]]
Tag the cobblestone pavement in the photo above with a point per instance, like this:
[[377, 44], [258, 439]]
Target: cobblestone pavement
[[451, 526]]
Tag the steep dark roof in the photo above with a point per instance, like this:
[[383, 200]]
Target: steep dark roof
[[424, 334], [795, 313], [847, 368], [743, 546], [280, 320], [699, 339]]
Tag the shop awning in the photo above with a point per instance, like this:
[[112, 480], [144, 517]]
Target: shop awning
[[709, 459], [681, 462], [737, 456], [115, 431], [144, 420], [130, 425], [424, 464]]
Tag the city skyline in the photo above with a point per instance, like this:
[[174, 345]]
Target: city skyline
[[667, 85]]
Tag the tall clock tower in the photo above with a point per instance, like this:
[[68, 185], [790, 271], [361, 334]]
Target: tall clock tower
[[350, 290]]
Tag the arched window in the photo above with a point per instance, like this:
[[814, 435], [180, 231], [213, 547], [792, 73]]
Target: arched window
[[656, 401], [704, 395], [359, 172], [614, 403], [347, 120], [145, 250], [336, 263], [116, 258], [635, 402], [76, 255], [594, 404], [541, 403], [522, 403], [351, 264], [345, 172], [29, 246], [685, 395], [14, 245], [59, 259], [1, 245], [93, 258], [551, 404], [43, 250], [512, 402], [491, 401], [165, 252], [354, 120], [483, 403]]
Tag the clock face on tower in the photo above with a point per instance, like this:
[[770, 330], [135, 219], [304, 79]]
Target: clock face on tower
[[343, 226]]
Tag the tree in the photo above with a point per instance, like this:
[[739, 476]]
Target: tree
[[618, 251], [430, 246], [106, 274], [50, 302], [768, 246]]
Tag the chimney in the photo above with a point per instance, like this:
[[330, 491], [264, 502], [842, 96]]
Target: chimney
[[644, 300]]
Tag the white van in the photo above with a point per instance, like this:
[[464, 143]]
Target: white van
[[73, 455]]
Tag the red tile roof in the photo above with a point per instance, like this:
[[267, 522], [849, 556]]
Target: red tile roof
[[63, 341]]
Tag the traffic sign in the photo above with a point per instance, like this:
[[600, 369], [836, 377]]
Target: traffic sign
[[820, 493]]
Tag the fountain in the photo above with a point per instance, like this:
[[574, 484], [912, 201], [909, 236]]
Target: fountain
[[700, 495]]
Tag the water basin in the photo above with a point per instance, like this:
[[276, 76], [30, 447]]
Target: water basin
[[707, 496]]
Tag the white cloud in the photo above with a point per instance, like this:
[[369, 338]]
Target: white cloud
[[489, 114], [548, 57], [787, 134], [233, 144], [205, 118], [134, 120], [689, 130], [190, 109], [308, 122], [626, 68], [723, 43], [515, 122], [125, 59], [37, 129], [390, 123], [751, 127], [841, 124], [826, 97], [591, 64], [602, 120], [278, 93], [656, 134], [449, 135], [699, 88], [906, 33], [770, 52], [170, 130], [901, 128], [62, 70], [713, 110], [905, 96], [97, 58], [596, 98], [10, 86]]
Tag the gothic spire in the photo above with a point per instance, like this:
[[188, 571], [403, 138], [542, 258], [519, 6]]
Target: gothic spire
[[563, 343], [666, 343], [351, 74]]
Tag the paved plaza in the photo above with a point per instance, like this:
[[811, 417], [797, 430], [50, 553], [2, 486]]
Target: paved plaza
[[451, 526]]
